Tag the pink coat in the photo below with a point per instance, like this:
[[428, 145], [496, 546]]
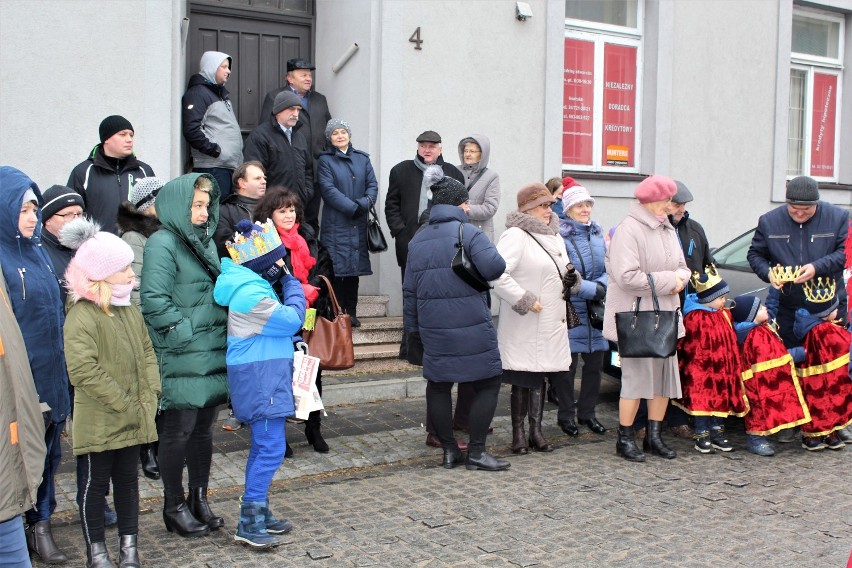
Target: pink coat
[[642, 245]]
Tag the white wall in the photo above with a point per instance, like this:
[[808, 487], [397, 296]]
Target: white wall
[[67, 64]]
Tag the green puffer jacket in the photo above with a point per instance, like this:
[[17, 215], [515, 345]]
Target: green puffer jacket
[[188, 329], [112, 366]]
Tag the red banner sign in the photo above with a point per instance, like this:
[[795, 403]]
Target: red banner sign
[[619, 106], [577, 103], [822, 125]]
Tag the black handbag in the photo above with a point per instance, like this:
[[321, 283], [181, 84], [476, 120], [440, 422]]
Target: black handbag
[[376, 241], [595, 310], [414, 348], [648, 333], [465, 269]]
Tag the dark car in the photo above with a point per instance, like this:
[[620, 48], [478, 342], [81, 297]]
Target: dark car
[[732, 263]]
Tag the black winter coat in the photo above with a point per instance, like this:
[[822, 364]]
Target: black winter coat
[[313, 119], [60, 256], [453, 319], [234, 209], [693, 241], [403, 200]]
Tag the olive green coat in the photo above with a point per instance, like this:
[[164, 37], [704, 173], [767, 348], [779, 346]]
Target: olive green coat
[[188, 329], [112, 366]]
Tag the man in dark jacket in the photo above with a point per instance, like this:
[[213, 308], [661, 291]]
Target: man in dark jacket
[[104, 179], [806, 233], [280, 146], [61, 204], [313, 117], [249, 185], [209, 122]]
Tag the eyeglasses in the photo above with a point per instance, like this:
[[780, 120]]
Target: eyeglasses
[[546, 205], [66, 215], [472, 152]]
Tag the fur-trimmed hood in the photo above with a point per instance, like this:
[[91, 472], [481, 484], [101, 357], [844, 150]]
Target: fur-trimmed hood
[[130, 220], [532, 224]]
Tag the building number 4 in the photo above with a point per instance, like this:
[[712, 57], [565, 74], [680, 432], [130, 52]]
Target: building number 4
[[415, 39]]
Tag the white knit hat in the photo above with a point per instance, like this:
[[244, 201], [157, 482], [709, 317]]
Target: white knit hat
[[574, 195]]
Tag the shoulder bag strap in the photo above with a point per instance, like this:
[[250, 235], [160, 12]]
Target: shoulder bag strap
[[476, 179], [334, 303], [195, 254], [546, 252]]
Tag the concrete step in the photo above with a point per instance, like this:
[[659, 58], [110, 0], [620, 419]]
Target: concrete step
[[375, 359], [372, 306], [377, 330]]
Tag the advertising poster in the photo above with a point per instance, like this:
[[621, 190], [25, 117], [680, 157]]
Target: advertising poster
[[822, 125], [578, 101], [619, 106]]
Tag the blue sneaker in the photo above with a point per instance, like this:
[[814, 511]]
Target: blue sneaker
[[110, 518], [759, 445], [251, 529]]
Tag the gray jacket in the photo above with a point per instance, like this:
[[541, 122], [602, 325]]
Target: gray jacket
[[485, 190]]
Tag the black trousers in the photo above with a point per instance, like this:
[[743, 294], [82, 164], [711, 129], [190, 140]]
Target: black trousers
[[346, 290], [439, 403], [590, 387], [185, 437], [97, 470]]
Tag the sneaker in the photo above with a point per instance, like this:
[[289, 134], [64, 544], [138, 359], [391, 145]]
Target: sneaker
[[759, 445], [719, 441], [845, 434], [786, 436], [834, 442], [813, 443], [703, 445], [231, 424], [110, 517]]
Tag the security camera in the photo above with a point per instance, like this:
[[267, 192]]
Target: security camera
[[524, 12]]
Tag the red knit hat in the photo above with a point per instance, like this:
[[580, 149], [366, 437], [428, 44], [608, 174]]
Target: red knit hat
[[655, 188]]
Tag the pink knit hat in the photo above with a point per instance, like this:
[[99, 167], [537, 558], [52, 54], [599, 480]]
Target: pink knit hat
[[99, 254], [655, 188]]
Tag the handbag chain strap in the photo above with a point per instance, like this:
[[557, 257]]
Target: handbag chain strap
[[334, 304]]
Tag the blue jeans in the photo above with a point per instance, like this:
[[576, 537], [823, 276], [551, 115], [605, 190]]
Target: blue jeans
[[223, 179], [13, 544], [46, 497], [704, 424], [268, 443]]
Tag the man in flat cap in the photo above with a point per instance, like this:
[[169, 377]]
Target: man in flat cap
[[408, 195], [313, 116], [693, 239], [278, 144]]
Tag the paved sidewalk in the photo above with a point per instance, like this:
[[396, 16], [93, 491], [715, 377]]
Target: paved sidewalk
[[380, 499]]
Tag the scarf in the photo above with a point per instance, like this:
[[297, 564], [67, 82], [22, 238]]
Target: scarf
[[301, 259], [121, 294], [424, 185]]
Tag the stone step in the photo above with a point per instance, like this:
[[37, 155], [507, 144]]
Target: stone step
[[375, 360], [377, 330], [372, 306]]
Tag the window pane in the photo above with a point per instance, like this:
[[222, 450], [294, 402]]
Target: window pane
[[613, 12], [816, 37], [796, 123]]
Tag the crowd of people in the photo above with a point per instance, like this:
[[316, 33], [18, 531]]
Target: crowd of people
[[136, 307]]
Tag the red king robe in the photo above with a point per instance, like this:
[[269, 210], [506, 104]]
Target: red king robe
[[825, 380]]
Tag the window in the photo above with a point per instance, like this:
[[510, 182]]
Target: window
[[601, 96], [814, 112]]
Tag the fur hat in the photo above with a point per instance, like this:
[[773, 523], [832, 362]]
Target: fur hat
[[99, 254], [745, 308], [256, 245], [144, 192], [655, 188], [111, 125], [532, 195], [444, 190], [58, 197], [285, 99], [334, 124], [575, 194], [802, 190]]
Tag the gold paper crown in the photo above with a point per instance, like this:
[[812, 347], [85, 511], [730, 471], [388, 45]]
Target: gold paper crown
[[784, 273], [821, 290], [710, 278], [245, 247]]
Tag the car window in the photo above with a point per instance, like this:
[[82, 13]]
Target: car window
[[733, 254]]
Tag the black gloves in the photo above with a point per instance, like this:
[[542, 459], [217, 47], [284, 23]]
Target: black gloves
[[359, 212], [569, 280], [600, 291], [273, 274]]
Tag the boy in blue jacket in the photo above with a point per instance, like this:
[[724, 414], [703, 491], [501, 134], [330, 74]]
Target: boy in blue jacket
[[260, 364]]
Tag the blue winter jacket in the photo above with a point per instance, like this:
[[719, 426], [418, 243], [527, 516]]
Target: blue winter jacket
[[34, 292], [348, 186], [586, 248], [260, 341], [453, 319]]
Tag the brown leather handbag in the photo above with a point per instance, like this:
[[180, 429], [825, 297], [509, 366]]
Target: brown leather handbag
[[331, 340]]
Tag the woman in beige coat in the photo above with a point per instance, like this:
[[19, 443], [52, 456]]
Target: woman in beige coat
[[645, 243], [532, 332]]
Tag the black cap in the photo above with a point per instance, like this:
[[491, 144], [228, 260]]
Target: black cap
[[430, 136], [802, 190], [299, 63], [112, 125]]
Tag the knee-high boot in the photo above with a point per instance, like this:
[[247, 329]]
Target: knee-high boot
[[519, 406], [537, 439]]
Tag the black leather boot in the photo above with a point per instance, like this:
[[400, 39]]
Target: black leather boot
[[98, 557], [626, 445], [519, 403], [314, 434], [148, 457], [40, 542], [537, 439], [128, 554], [179, 518], [200, 508], [654, 443]]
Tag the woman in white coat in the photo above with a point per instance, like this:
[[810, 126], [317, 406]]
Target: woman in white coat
[[532, 331]]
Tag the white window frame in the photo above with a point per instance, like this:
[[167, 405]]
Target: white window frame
[[811, 64], [599, 39], [599, 27]]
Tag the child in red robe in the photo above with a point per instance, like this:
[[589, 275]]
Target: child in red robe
[[824, 374], [772, 387], [709, 361]]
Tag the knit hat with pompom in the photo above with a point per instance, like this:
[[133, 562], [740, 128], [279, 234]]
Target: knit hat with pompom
[[99, 254]]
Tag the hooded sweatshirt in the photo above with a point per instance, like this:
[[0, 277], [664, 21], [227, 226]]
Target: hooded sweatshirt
[[482, 184], [34, 293], [209, 122]]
